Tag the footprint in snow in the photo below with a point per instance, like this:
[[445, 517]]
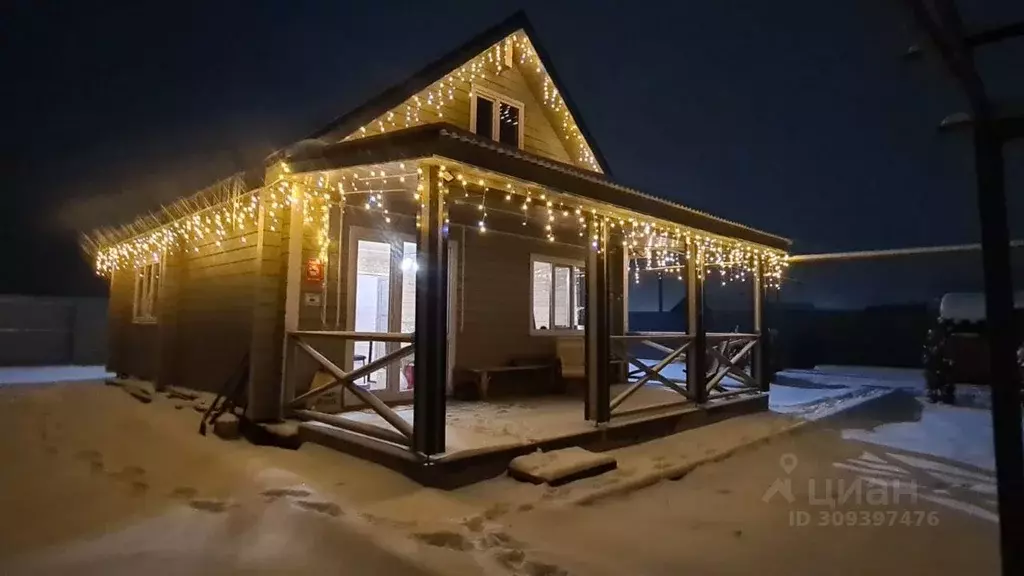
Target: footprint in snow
[[445, 539], [207, 505], [328, 508], [275, 493], [184, 493]]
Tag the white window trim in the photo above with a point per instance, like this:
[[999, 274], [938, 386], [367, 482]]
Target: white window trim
[[147, 316], [496, 98], [534, 331]]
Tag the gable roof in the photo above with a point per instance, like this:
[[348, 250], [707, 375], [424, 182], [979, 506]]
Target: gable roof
[[396, 95]]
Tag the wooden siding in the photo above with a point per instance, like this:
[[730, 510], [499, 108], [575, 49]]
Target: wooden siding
[[266, 341], [214, 310], [134, 348], [496, 308], [204, 315], [539, 135]]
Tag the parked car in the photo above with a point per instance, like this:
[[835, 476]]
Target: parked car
[[956, 348]]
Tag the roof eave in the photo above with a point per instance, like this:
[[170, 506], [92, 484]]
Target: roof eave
[[448, 141]]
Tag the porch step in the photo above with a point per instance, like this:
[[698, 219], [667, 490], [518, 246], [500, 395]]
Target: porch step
[[559, 467]]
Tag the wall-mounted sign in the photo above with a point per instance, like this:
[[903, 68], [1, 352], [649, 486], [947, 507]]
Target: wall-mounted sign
[[314, 271]]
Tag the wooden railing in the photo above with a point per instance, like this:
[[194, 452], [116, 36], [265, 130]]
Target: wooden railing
[[728, 355], [620, 349], [401, 431]]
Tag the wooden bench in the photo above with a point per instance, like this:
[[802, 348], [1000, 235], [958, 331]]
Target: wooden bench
[[480, 385]]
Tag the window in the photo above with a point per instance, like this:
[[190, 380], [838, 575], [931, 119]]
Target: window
[[496, 117], [147, 288], [558, 295]]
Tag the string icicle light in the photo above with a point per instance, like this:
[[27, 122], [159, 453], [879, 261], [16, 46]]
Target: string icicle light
[[648, 243], [431, 101]]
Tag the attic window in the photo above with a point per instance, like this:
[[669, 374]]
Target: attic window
[[496, 117]]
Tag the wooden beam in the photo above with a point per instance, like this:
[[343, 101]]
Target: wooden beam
[[696, 360], [597, 333], [358, 336], [354, 426], [431, 319], [759, 363]]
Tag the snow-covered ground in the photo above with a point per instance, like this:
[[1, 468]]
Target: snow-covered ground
[[961, 433], [105, 485], [94, 482], [48, 374], [815, 394]]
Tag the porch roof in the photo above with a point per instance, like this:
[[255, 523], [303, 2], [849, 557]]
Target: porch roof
[[447, 141]]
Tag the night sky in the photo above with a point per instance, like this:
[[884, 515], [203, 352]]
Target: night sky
[[800, 118]]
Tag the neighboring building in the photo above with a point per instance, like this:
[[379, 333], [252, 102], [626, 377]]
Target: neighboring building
[[467, 205]]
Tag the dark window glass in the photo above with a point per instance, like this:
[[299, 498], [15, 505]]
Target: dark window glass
[[508, 124], [484, 117]]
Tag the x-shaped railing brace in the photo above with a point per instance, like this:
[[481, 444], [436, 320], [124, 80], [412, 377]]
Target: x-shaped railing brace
[[347, 379], [651, 373], [730, 367]]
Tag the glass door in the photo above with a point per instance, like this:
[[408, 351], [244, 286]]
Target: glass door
[[382, 274], [372, 307]]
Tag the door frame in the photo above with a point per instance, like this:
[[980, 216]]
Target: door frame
[[395, 240]]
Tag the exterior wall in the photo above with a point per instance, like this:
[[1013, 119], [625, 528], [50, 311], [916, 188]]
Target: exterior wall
[[134, 347], [213, 308], [495, 301], [204, 315]]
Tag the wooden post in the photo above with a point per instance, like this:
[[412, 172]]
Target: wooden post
[[265, 357], [661, 293], [618, 279], [1006, 385], [597, 336], [759, 364], [696, 357], [431, 320]]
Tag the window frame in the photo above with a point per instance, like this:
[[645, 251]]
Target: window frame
[[577, 267], [498, 99], [145, 305]]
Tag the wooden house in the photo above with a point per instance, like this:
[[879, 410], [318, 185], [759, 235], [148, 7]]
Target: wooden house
[[461, 227]]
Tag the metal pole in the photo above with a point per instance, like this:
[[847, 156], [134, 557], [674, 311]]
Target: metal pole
[[696, 357], [431, 320], [1006, 391], [941, 21]]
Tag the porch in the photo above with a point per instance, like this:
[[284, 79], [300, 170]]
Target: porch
[[482, 437], [437, 203]]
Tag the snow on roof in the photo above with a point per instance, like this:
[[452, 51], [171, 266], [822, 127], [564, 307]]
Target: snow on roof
[[969, 307]]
